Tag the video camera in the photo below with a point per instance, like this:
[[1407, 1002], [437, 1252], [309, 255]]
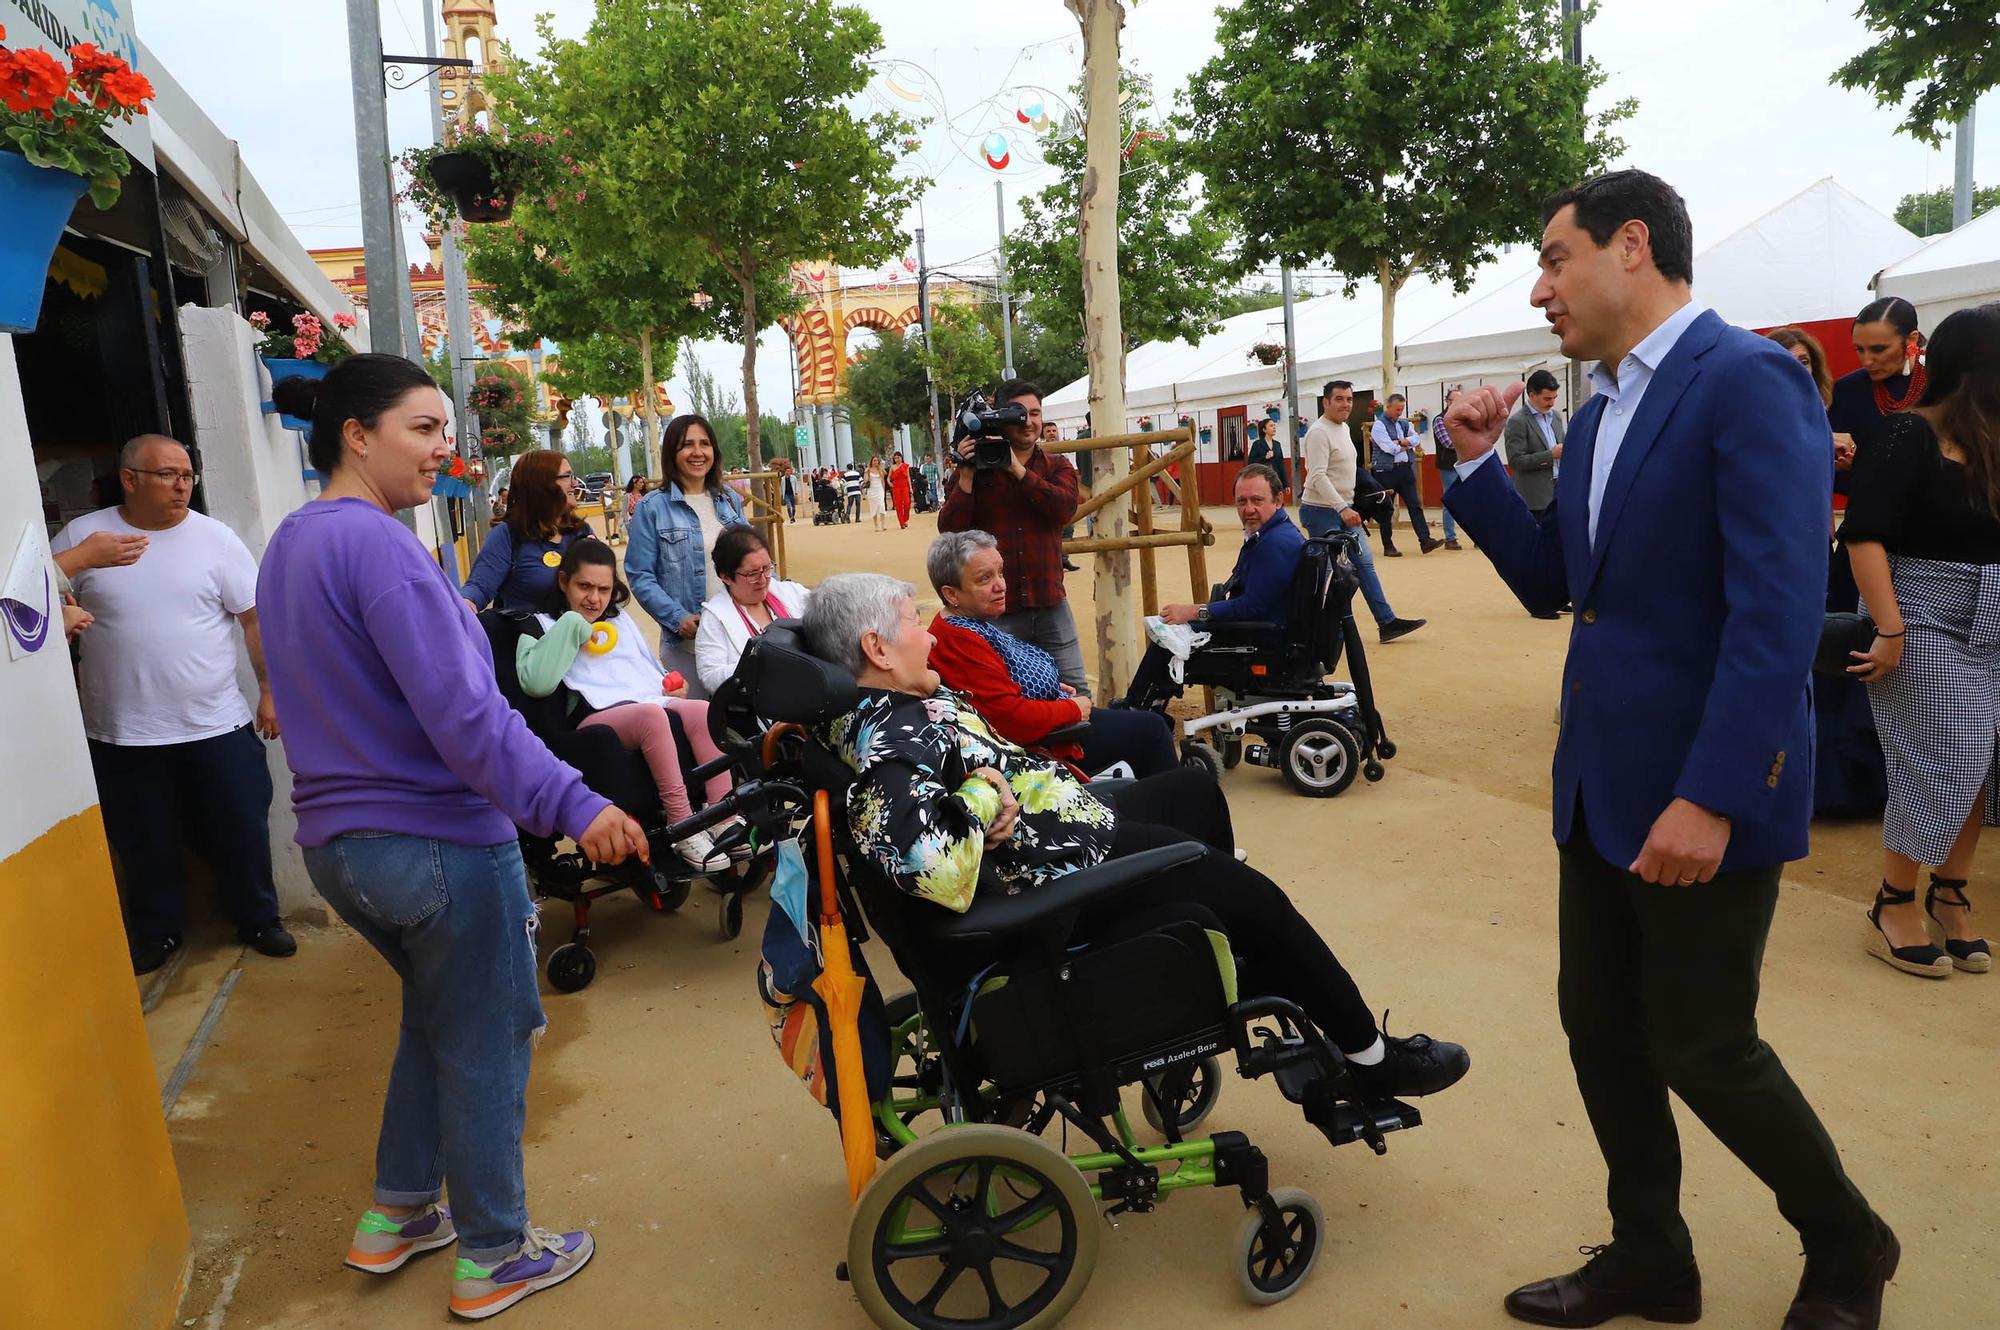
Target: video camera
[[987, 425]]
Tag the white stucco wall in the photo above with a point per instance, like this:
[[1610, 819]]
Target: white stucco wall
[[252, 476], [44, 760]]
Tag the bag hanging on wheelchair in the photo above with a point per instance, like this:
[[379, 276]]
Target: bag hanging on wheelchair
[[789, 961]]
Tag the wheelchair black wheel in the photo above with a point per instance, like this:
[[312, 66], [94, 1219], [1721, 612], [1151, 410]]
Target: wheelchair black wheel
[[977, 1228], [571, 967], [1191, 1092], [1319, 757], [1386, 749], [729, 916], [1273, 1260], [670, 892], [1373, 771], [1198, 754], [1232, 754]]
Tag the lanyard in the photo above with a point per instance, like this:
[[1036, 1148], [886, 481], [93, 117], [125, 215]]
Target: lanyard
[[778, 611]]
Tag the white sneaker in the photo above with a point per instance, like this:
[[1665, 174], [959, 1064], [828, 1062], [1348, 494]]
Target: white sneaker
[[698, 848]]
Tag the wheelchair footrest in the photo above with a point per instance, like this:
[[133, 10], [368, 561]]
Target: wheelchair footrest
[[1342, 1123]]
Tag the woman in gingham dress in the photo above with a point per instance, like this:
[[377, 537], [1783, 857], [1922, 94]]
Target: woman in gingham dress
[[1923, 533]]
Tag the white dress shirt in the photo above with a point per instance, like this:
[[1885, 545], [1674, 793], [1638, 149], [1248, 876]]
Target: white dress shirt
[[1400, 445], [1621, 392]]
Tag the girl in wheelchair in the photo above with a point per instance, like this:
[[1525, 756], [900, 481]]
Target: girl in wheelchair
[[592, 646], [938, 795]]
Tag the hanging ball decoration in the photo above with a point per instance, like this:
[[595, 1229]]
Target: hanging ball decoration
[[998, 152], [907, 94]]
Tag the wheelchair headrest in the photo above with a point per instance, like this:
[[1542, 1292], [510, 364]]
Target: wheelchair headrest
[[782, 679]]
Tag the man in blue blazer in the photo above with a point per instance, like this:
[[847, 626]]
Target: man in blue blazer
[[1689, 532]]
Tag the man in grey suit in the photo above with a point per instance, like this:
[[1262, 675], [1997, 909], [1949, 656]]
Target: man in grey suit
[[1535, 441]]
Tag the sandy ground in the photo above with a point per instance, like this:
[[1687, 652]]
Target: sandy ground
[[661, 1118]]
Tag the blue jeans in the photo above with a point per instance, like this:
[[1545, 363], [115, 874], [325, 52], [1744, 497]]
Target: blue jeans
[[1319, 520], [1447, 477], [456, 924]]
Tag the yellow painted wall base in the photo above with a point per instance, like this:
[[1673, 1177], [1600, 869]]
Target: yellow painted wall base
[[81, 1134]]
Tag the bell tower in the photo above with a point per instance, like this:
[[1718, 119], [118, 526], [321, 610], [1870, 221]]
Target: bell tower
[[468, 35]]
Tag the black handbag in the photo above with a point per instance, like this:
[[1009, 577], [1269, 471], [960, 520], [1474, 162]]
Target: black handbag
[[1843, 633]]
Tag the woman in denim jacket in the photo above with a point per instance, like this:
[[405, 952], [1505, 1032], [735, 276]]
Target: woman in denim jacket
[[668, 541]]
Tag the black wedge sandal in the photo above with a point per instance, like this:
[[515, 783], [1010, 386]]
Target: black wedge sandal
[[1974, 957], [1927, 961]]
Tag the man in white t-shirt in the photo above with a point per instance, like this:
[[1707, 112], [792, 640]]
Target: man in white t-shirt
[[172, 741]]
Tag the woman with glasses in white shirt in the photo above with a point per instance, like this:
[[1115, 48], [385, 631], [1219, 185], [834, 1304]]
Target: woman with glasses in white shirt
[[752, 599]]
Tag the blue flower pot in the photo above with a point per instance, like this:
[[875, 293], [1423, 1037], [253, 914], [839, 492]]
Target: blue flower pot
[[291, 369], [37, 202], [1273, 413]]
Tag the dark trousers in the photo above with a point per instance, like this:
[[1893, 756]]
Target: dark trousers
[[1143, 738], [219, 790], [1659, 992], [1281, 953], [1402, 478]]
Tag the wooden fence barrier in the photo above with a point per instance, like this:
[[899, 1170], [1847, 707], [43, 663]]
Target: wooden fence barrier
[[1194, 532]]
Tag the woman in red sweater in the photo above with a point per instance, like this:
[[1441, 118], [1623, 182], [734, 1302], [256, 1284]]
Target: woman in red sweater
[[1013, 683]]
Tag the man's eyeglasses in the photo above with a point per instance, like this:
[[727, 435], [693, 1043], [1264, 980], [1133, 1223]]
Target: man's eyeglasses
[[754, 574], [171, 477]]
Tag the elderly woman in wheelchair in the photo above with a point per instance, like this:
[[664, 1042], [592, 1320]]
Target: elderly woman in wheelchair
[[1064, 940]]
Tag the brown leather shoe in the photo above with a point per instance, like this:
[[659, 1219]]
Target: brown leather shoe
[[1580, 1299], [1847, 1296]]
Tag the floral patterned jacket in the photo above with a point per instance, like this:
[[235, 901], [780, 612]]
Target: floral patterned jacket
[[920, 815]]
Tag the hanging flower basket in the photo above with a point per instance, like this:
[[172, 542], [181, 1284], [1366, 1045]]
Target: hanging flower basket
[[285, 367], [1273, 413], [1145, 424], [1207, 434], [1268, 353], [37, 201], [52, 148], [473, 186]]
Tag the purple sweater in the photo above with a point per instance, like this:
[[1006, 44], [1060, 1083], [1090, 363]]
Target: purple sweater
[[385, 690]]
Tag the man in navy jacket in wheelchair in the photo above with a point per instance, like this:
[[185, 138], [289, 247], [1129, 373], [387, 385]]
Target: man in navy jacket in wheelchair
[[1259, 587]]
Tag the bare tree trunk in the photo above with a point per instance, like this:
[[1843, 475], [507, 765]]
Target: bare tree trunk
[[1104, 336], [752, 443], [1390, 287], [648, 403]]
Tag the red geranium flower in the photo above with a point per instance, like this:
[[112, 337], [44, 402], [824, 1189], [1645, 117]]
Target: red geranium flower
[[32, 80], [88, 61], [129, 90]]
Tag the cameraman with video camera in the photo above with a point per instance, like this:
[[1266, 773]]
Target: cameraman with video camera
[[1007, 486]]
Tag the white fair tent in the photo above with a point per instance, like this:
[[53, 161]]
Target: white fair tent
[[1337, 336], [1954, 271], [1810, 259]]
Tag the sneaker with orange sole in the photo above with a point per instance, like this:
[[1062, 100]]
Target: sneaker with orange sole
[[545, 1260], [382, 1244]]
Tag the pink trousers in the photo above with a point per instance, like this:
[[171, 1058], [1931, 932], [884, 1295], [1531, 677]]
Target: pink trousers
[[643, 728]]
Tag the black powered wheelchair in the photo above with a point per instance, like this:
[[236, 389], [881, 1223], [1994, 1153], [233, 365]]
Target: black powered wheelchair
[[622, 777], [975, 1220], [1270, 682]]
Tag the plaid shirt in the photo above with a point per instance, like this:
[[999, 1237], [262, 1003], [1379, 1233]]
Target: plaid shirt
[[1026, 516]]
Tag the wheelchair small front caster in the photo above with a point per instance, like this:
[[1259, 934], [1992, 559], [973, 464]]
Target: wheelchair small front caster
[[1373, 771], [1386, 749], [571, 967], [1274, 1258], [1197, 754], [729, 916]]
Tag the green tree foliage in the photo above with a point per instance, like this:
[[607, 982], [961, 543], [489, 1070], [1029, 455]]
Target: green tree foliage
[[885, 385], [602, 365], [1944, 50], [1045, 356], [1171, 245], [1929, 213], [1393, 137], [964, 352], [728, 127]]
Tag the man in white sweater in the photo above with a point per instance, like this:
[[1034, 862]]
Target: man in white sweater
[[1327, 501]]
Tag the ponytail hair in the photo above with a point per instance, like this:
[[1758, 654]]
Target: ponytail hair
[[361, 387]]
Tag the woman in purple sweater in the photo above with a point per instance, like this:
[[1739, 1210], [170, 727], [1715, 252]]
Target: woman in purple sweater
[[409, 772]]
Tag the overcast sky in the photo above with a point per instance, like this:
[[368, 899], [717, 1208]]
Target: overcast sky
[[1734, 105]]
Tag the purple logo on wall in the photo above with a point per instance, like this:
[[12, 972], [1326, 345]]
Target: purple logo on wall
[[25, 597]]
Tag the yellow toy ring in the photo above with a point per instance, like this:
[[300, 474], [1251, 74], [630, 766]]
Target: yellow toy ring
[[603, 638]]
